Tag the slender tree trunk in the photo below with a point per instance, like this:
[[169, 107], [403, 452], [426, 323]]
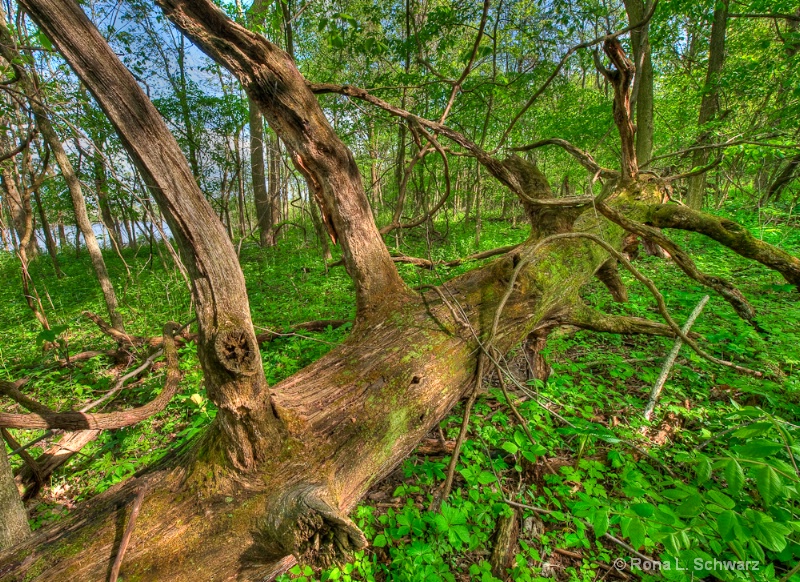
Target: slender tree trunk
[[62, 233], [48, 235], [784, 178], [18, 199], [186, 114], [263, 206], [709, 105], [240, 199], [103, 199], [643, 83], [319, 229], [274, 182]]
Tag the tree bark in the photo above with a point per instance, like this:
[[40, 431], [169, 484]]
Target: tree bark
[[263, 205], [227, 347], [271, 79], [18, 201], [643, 83], [103, 199], [52, 250], [13, 518], [709, 105]]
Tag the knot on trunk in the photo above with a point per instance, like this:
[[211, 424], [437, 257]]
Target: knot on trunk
[[312, 529], [236, 351]]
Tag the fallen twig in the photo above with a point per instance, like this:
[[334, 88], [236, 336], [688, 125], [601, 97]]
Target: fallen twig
[[670, 361], [126, 537]]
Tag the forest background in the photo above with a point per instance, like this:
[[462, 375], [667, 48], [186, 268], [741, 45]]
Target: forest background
[[558, 457]]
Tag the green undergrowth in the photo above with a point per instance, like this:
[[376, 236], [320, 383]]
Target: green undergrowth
[[712, 477]]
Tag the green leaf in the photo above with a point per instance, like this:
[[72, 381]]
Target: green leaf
[[675, 494], [485, 477], [600, 522], [755, 429], [758, 449], [691, 507], [510, 447], [770, 534], [380, 541], [720, 499], [769, 483], [734, 475], [703, 470], [44, 41], [727, 524], [636, 532], [643, 509]]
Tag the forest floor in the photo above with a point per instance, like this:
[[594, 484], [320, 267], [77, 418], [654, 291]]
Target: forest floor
[[713, 476]]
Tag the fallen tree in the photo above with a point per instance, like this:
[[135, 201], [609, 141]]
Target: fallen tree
[[273, 478]]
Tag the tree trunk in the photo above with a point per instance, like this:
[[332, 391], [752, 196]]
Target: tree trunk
[[245, 424], [263, 205], [18, 201], [784, 178], [709, 105], [62, 233], [13, 518], [103, 200], [274, 182], [48, 234], [319, 230], [643, 83]]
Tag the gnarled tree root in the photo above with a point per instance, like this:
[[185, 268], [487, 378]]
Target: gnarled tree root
[[307, 525]]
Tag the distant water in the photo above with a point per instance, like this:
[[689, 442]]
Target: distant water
[[142, 234]]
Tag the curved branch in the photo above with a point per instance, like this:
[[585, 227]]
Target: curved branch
[[729, 234], [22, 145], [724, 288], [586, 317], [468, 68], [447, 189], [44, 418], [584, 158], [695, 172]]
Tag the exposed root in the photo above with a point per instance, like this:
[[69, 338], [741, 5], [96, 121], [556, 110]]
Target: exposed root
[[312, 529]]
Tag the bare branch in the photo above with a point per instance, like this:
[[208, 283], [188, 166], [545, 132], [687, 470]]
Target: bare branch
[[562, 62], [468, 67], [43, 418]]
